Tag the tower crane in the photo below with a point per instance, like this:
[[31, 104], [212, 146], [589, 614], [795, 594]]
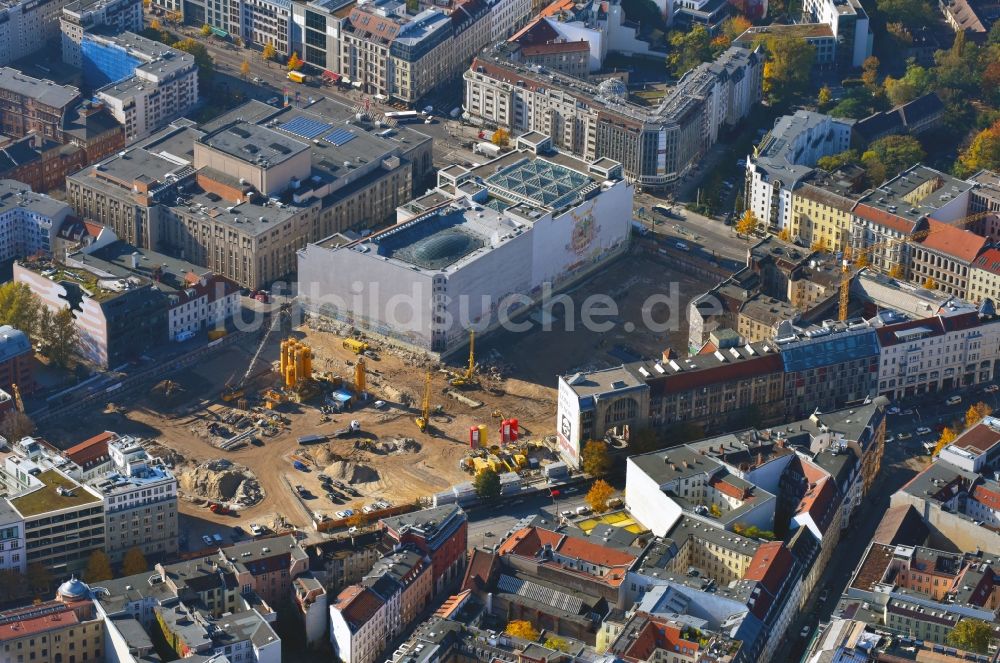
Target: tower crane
[[232, 392], [863, 253], [425, 406]]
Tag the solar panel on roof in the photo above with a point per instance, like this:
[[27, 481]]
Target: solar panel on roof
[[305, 127], [339, 137]]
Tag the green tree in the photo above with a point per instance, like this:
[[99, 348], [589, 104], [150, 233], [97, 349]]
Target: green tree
[[206, 67], [413, 6], [982, 152], [13, 585], [520, 628], [915, 82], [134, 562], [911, 13], [59, 335], [598, 495], [971, 635], [887, 157], [642, 441], [851, 107], [788, 69], [595, 458], [39, 578], [19, 307], [98, 567], [688, 50], [487, 485], [994, 36], [835, 161]]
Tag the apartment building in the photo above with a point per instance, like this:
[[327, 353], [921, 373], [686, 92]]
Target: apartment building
[[84, 16], [787, 155], [140, 502], [63, 518], [116, 318], [985, 197], [16, 358], [42, 165], [358, 624], [143, 83], [180, 192], [321, 24], [943, 256], [850, 25], [507, 17], [821, 205], [27, 26], [29, 222], [440, 533], [984, 277], [341, 562], [66, 628], [31, 105], [13, 551], [656, 146]]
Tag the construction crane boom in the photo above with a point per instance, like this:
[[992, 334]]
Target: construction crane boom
[[863, 253], [425, 405], [468, 376], [233, 392]]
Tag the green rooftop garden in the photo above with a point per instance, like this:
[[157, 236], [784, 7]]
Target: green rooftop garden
[[48, 498]]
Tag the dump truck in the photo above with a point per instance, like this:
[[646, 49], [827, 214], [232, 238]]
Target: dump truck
[[355, 346]]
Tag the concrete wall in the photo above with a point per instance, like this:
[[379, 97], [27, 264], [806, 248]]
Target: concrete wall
[[959, 530], [647, 503]]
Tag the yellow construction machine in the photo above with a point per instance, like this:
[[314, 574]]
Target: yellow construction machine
[[467, 377], [425, 406]]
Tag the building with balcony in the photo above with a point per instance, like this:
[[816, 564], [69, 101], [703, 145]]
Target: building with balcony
[[83, 16]]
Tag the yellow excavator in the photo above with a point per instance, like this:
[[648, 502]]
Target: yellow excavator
[[423, 421], [468, 377]]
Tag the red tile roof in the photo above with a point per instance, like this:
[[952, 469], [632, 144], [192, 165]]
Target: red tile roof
[[770, 565], [820, 503], [883, 218], [988, 497], [594, 553], [29, 625], [657, 634], [556, 7], [528, 540], [989, 260], [963, 245], [721, 485], [93, 229], [479, 572], [358, 604], [91, 450]]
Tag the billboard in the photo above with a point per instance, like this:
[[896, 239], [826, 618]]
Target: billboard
[[568, 424]]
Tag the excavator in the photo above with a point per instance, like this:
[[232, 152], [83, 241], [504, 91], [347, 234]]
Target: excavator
[[468, 377], [232, 392], [423, 421]]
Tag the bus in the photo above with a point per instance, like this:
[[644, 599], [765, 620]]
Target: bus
[[403, 117], [297, 76]]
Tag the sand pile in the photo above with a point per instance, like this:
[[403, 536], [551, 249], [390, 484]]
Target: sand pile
[[351, 472], [403, 445], [223, 481]]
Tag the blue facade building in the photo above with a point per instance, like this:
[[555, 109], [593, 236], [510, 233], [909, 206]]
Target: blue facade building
[[105, 62]]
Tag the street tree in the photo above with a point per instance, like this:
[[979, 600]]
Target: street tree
[[501, 137], [596, 459], [59, 335], [294, 62], [747, 224], [971, 635], [948, 436], [19, 307], [487, 485], [521, 628], [98, 567], [269, 51], [206, 30], [896, 271], [155, 25], [929, 283], [598, 495], [134, 562], [977, 413], [245, 68]]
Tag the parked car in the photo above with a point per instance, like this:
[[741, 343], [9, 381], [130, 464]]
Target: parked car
[[379, 405], [682, 246], [893, 410], [256, 529], [903, 436], [992, 389], [804, 633], [217, 537], [954, 400], [353, 530], [923, 430], [824, 595], [207, 539]]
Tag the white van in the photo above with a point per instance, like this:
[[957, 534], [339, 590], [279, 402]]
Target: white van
[[582, 510]]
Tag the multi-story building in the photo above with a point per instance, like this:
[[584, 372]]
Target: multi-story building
[[943, 256], [320, 24], [984, 277], [540, 218], [913, 117], [358, 624], [885, 218], [196, 298], [26, 26], [42, 165], [16, 356], [144, 84], [440, 533], [656, 146], [958, 347], [507, 17], [338, 563], [850, 25], [43, 495], [819, 35], [303, 179], [83, 16], [140, 502], [67, 628], [977, 449], [985, 197], [13, 551], [821, 205], [786, 156], [116, 318], [29, 222]]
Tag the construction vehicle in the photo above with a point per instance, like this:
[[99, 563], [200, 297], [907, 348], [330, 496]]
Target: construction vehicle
[[352, 429], [425, 406], [18, 402], [233, 392], [355, 346], [861, 257], [468, 377], [360, 377]]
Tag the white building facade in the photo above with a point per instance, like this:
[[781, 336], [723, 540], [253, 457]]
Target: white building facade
[[29, 222], [13, 554]]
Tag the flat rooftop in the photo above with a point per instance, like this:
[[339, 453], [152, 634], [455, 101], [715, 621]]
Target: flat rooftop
[[252, 143], [50, 498], [43, 91], [14, 194]]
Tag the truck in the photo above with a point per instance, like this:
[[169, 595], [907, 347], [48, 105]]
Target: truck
[[300, 466], [355, 346], [354, 427], [298, 77], [487, 149]]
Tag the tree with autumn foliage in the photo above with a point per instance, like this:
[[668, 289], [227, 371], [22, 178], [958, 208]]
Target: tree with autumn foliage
[[784, 235], [977, 413], [245, 68], [206, 30], [520, 628], [788, 68], [982, 153], [501, 137], [747, 224], [869, 72], [948, 436], [598, 495], [596, 458], [929, 283], [824, 98], [269, 52], [896, 271], [294, 62]]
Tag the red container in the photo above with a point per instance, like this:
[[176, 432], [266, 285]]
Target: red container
[[514, 430]]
